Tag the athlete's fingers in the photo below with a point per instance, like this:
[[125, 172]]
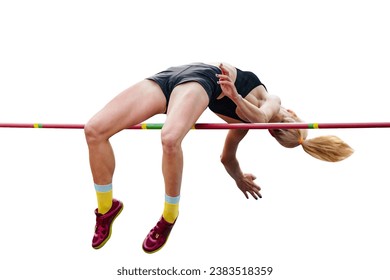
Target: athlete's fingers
[[223, 69], [224, 82], [223, 77], [254, 195]]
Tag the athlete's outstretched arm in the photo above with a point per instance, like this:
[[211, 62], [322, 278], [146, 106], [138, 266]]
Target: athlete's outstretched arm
[[245, 181]]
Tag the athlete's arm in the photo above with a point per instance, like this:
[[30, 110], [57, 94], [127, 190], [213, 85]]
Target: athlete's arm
[[245, 109], [245, 182]]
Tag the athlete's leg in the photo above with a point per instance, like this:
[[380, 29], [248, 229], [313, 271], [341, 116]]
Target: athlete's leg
[[187, 103], [132, 106]]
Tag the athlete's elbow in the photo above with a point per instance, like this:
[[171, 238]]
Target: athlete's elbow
[[264, 117], [223, 159], [227, 159], [260, 117]]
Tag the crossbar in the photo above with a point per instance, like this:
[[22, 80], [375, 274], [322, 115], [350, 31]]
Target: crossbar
[[150, 126]]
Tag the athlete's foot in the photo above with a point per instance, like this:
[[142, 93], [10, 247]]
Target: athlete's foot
[[104, 224], [158, 236]]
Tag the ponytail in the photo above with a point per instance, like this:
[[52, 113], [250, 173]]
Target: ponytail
[[327, 148]]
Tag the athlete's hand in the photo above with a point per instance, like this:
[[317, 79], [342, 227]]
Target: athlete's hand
[[227, 84], [247, 185]]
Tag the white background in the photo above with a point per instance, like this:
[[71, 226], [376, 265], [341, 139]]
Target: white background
[[61, 61]]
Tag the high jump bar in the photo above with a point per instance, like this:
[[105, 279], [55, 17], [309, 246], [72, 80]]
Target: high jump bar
[[218, 125]]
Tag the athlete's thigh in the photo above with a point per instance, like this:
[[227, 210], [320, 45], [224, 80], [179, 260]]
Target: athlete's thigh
[[132, 106], [186, 104]]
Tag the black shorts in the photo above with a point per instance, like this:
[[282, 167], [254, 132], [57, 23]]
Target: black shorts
[[201, 73]]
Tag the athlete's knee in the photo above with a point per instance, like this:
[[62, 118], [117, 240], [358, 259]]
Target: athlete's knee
[[93, 132], [170, 141]]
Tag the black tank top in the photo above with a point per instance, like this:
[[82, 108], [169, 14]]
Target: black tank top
[[245, 82]]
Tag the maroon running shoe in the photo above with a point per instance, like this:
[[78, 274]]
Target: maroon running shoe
[[158, 236], [104, 224]]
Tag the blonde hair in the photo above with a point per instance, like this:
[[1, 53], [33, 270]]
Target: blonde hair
[[327, 148]]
